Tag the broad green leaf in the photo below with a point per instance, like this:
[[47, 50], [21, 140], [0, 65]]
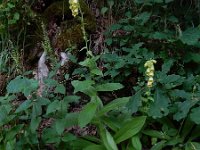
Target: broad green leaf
[[190, 36], [87, 114], [130, 129], [183, 109], [119, 102], [109, 87], [60, 89], [192, 146], [22, 84], [60, 125], [142, 18], [49, 135], [159, 107], [85, 86], [159, 145], [52, 107], [156, 134], [68, 137], [136, 142], [13, 132], [167, 65], [194, 115], [107, 139], [104, 10], [24, 106], [96, 71], [135, 102], [72, 98], [95, 147], [35, 123]]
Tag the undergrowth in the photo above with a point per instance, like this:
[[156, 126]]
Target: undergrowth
[[141, 91]]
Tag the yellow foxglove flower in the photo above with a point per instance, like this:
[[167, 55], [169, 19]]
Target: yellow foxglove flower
[[74, 6]]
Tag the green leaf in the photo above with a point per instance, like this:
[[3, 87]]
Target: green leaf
[[159, 145], [159, 108], [60, 126], [104, 10], [87, 114], [95, 147], [11, 134], [60, 89], [192, 146], [35, 123], [142, 18], [84, 86], [136, 142], [190, 36], [130, 129], [24, 106], [167, 65], [183, 109], [194, 115], [109, 87], [119, 102], [156, 134], [52, 107], [22, 84], [68, 137], [107, 139], [135, 102]]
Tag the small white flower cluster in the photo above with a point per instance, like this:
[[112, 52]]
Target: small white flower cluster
[[150, 71], [74, 6]]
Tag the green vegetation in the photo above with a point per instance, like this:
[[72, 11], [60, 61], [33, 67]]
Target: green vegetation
[[134, 86]]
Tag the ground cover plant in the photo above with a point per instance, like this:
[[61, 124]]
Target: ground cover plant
[[100, 75]]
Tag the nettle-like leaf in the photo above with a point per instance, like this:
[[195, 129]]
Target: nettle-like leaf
[[143, 17], [85, 86], [159, 108], [170, 81], [195, 115], [190, 36], [135, 102], [22, 84], [183, 109]]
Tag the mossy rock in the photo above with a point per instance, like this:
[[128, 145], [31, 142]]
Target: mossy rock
[[70, 32]]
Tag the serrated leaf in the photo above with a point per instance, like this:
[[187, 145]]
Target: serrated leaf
[[194, 115], [143, 17], [190, 36], [52, 107], [24, 106], [85, 86], [60, 126], [167, 65], [135, 102], [87, 114], [159, 108], [35, 123], [60, 89], [183, 109], [109, 87], [130, 129]]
